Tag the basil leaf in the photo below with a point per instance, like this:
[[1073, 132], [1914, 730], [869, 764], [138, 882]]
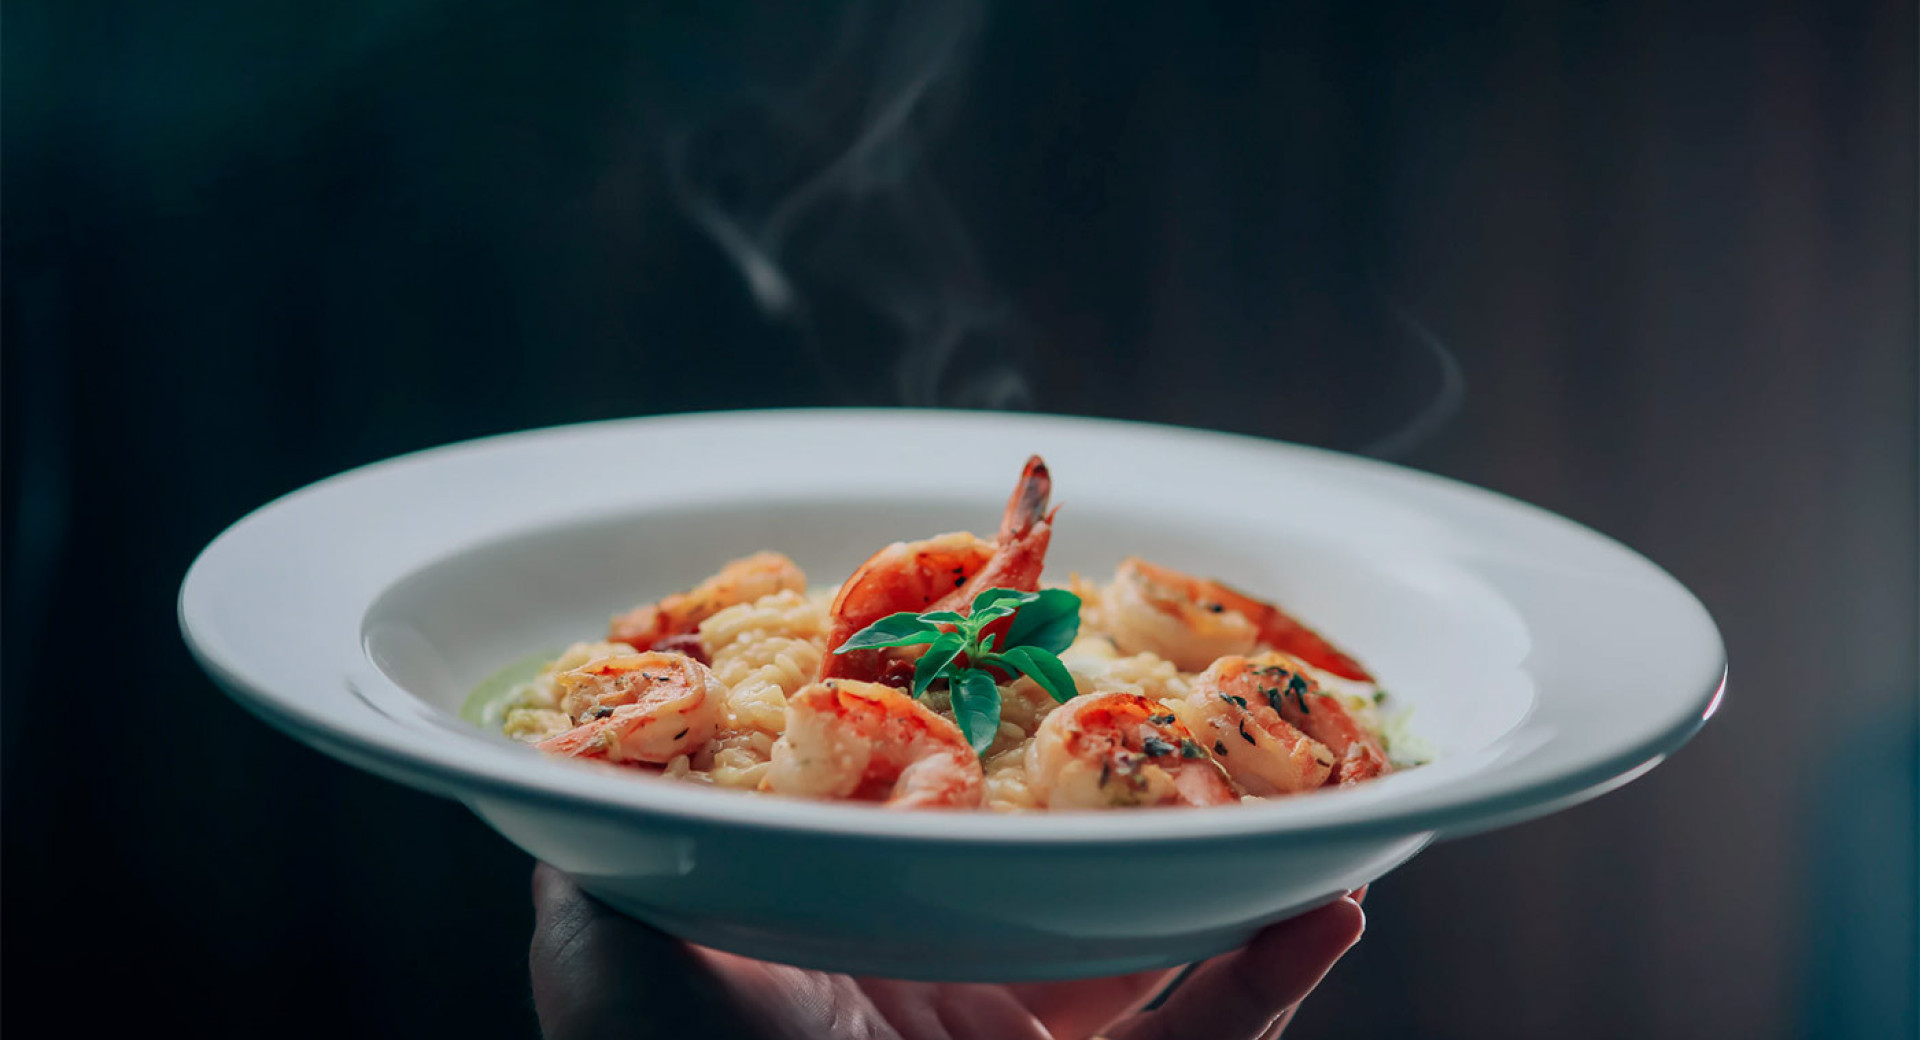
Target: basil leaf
[[1050, 622], [936, 659], [985, 617], [976, 707], [1011, 597], [903, 629], [944, 617], [1043, 668]]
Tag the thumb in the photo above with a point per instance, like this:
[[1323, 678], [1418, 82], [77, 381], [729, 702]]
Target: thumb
[[1242, 993]]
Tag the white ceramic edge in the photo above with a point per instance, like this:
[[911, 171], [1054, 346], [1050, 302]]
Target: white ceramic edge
[[1497, 795]]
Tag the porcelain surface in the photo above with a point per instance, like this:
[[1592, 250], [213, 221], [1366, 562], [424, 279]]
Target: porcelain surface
[[1544, 663]]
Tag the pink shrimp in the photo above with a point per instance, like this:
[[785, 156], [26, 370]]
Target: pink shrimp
[[1278, 690], [944, 572], [1357, 754], [1106, 750], [1194, 621], [644, 708], [867, 742], [674, 622], [1237, 709]]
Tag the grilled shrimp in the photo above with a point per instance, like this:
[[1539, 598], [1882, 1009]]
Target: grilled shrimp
[[1235, 708], [1105, 750], [867, 742], [944, 572], [1195, 621], [1357, 755], [637, 708], [676, 619]]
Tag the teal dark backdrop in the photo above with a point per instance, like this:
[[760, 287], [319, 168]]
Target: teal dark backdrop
[[1670, 249]]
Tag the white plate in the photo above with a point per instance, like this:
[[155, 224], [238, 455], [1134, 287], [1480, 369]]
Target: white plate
[[1545, 663]]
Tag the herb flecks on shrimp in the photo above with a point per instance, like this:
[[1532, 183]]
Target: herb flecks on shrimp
[[1109, 750], [646, 708]]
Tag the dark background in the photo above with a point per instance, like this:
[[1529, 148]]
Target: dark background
[[1670, 249]]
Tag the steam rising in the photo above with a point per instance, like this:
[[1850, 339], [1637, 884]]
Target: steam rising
[[820, 195], [1439, 409]]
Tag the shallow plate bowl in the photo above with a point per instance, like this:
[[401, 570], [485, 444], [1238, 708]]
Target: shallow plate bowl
[[1543, 663]]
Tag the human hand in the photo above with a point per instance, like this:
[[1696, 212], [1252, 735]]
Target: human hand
[[597, 974]]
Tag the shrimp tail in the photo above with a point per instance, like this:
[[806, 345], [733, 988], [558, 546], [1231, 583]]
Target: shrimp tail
[[1278, 629], [1020, 553], [1285, 633], [580, 741], [1027, 505], [945, 572]]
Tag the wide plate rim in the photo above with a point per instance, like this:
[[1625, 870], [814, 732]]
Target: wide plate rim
[[476, 769]]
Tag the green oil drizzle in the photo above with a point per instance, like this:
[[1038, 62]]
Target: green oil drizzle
[[486, 707]]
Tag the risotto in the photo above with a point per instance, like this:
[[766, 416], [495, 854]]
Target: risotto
[[942, 674]]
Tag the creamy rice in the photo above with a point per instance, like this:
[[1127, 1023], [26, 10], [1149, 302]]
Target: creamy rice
[[765, 651]]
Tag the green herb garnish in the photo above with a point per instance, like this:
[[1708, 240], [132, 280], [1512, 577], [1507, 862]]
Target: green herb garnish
[[961, 651]]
